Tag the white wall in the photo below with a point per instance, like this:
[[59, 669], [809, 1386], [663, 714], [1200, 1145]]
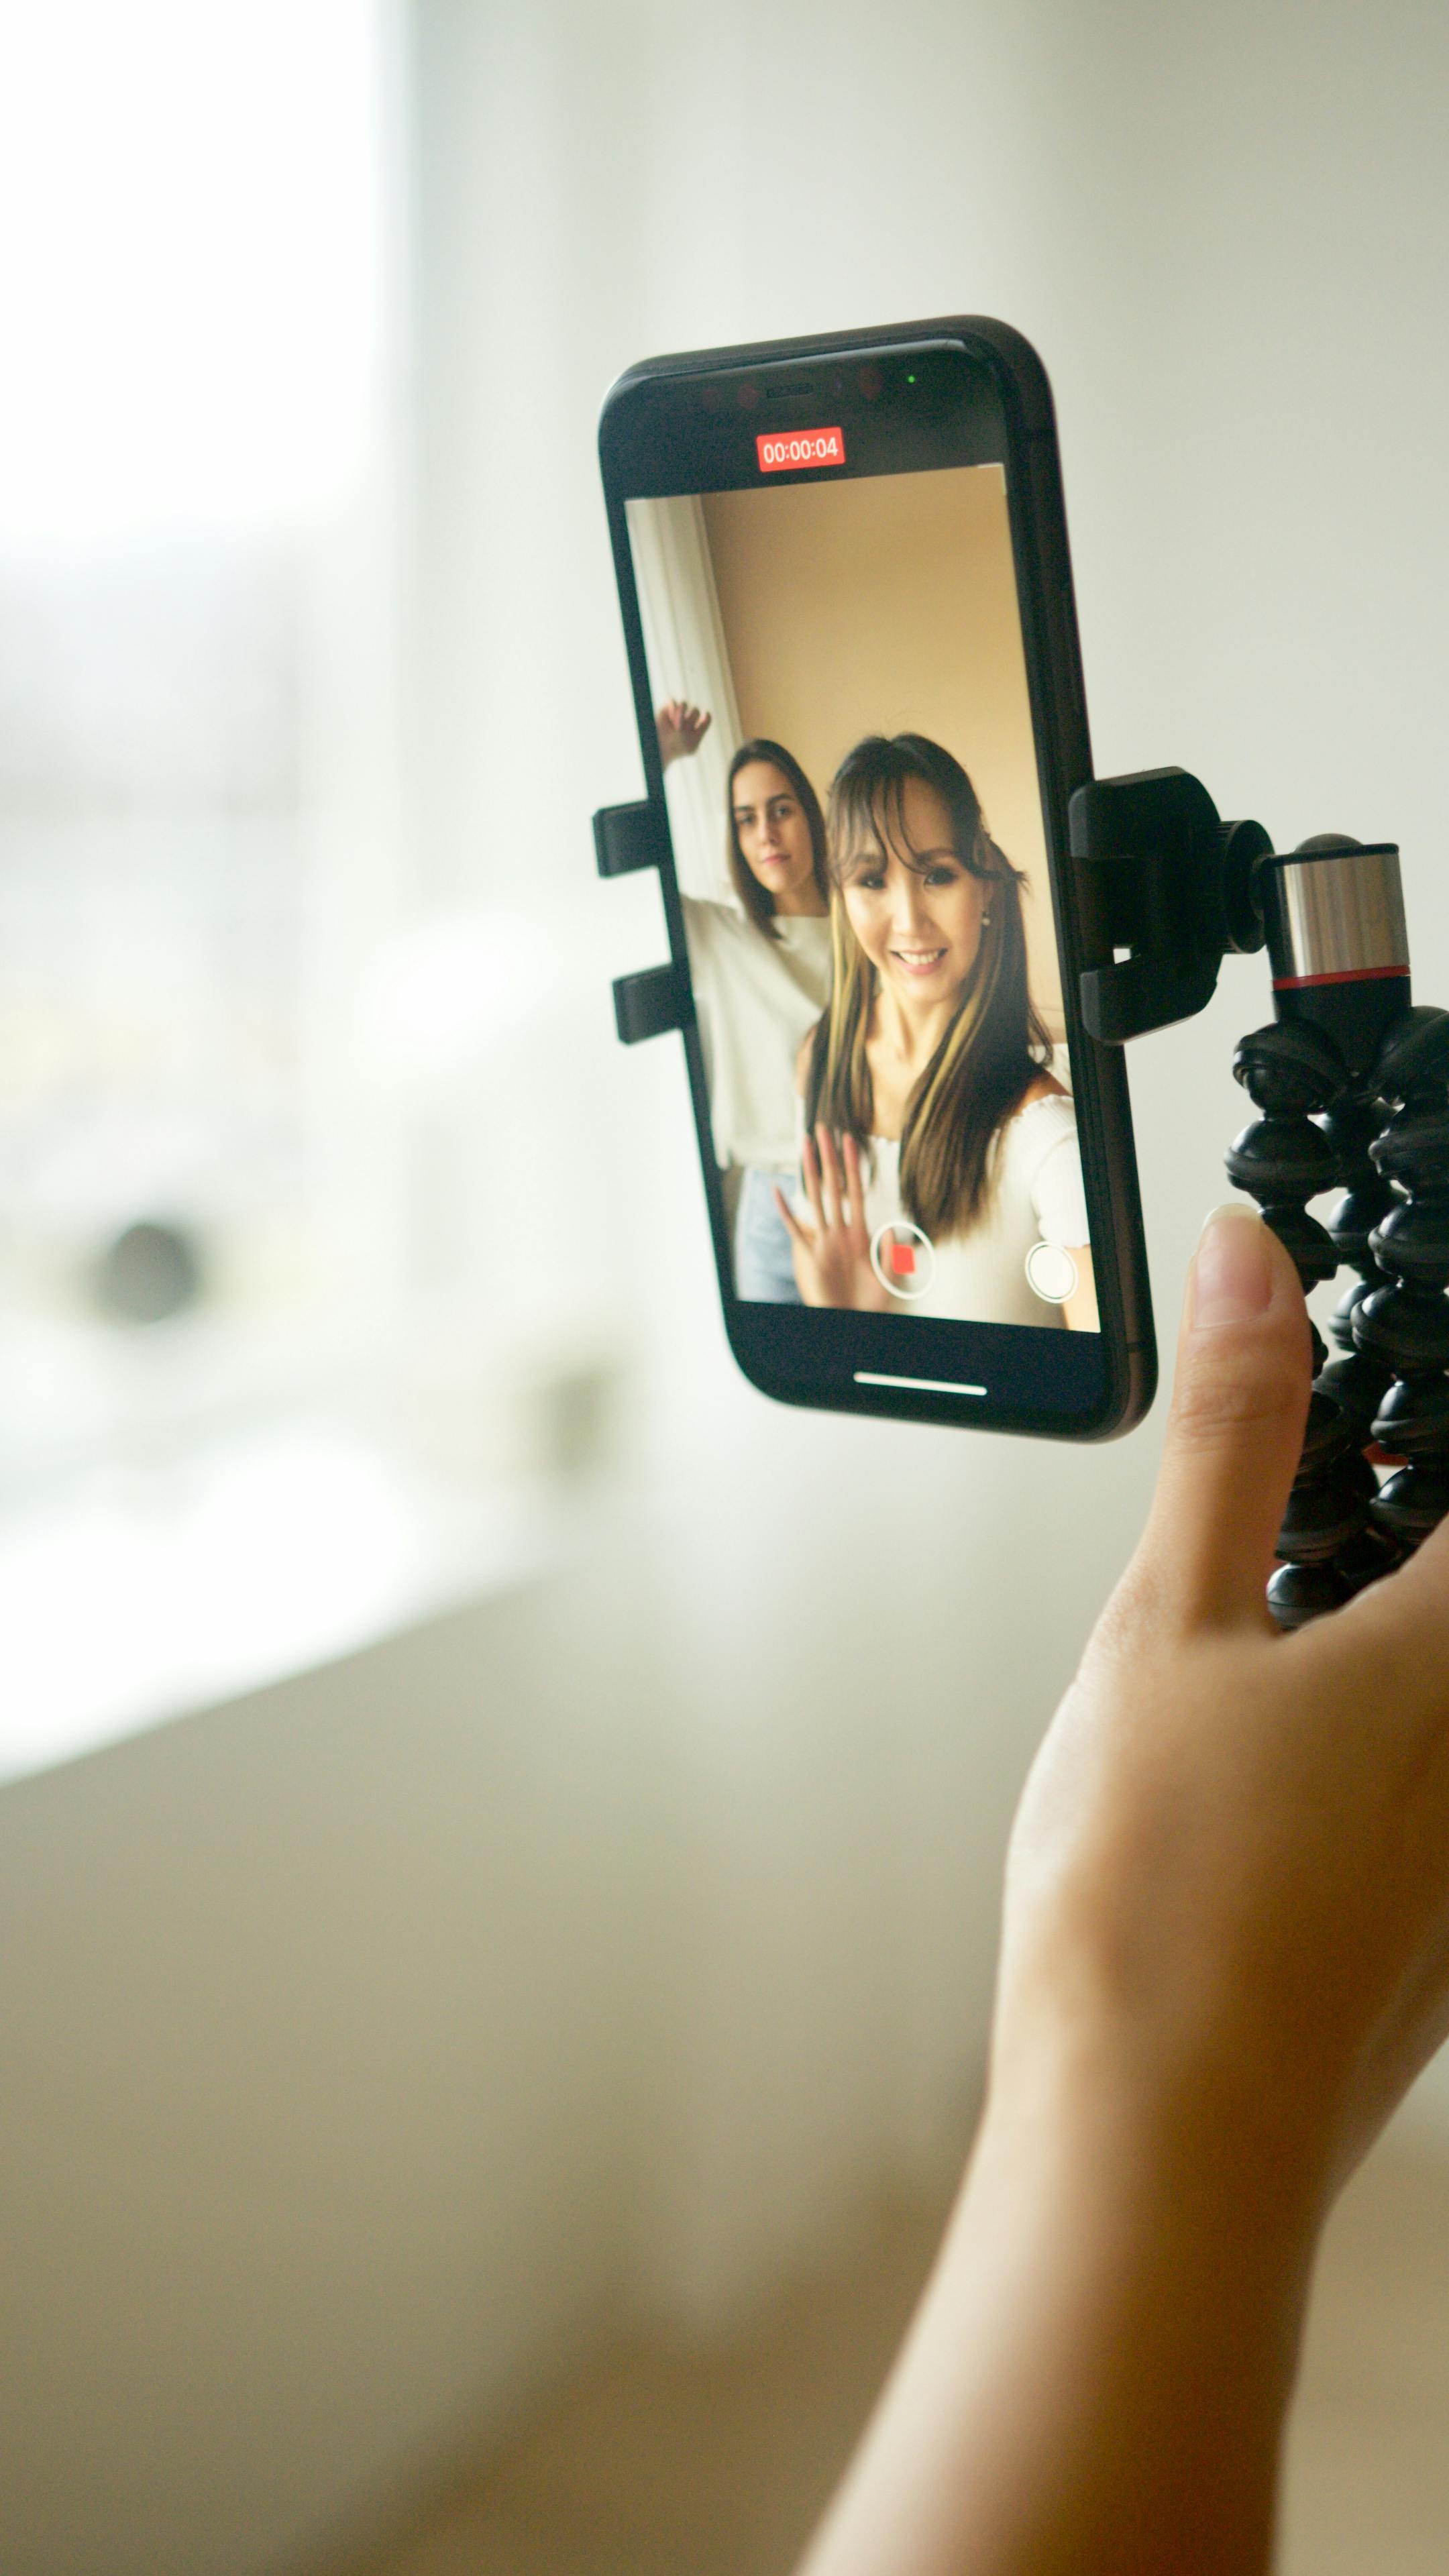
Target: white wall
[[300, 2167], [374, 2044], [366, 2040]]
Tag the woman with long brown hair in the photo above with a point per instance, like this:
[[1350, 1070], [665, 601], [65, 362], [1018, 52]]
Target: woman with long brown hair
[[939, 1167], [760, 968]]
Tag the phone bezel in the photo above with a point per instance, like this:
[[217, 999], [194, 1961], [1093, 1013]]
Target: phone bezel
[[654, 435]]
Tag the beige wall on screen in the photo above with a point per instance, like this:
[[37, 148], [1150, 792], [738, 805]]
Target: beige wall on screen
[[889, 606]]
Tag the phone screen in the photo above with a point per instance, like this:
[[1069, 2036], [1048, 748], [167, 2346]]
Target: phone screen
[[838, 689]]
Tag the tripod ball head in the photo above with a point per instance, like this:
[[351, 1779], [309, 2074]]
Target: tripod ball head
[[1338, 941]]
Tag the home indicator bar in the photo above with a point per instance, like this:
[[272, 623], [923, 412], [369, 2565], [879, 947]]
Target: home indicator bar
[[915, 1385]]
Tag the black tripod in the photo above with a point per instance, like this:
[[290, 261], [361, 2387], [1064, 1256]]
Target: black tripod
[[1352, 1085]]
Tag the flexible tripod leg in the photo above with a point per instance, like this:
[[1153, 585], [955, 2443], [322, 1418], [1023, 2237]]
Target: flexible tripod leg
[[1404, 1325], [1384, 1135]]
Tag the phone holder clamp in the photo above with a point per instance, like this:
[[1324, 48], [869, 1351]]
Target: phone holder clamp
[[1176, 890], [626, 838]]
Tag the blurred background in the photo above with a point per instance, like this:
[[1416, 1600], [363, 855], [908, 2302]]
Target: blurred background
[[501, 1828]]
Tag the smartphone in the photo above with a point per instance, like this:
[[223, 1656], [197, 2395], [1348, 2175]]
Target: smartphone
[[847, 596]]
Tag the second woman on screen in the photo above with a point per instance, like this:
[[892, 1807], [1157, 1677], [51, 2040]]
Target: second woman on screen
[[939, 1168], [760, 968]]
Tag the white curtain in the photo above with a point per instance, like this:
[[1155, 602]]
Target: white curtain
[[684, 645]]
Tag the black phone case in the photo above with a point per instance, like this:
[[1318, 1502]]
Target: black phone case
[[1064, 763]]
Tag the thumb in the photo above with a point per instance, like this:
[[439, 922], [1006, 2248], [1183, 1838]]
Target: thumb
[[1239, 1403]]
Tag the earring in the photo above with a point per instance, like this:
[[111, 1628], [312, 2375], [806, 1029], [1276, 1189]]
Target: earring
[[986, 921]]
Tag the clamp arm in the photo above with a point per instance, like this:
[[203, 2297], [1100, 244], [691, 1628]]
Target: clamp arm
[[1176, 890], [628, 837]]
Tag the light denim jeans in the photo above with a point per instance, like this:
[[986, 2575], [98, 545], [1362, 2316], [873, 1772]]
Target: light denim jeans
[[764, 1270]]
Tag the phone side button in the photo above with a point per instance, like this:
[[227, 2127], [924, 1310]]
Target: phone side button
[[646, 1005]]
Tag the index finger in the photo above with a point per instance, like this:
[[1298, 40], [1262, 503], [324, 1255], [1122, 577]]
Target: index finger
[[854, 1189], [830, 1175]]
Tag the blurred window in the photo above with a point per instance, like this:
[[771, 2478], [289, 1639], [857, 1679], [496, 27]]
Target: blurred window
[[196, 705]]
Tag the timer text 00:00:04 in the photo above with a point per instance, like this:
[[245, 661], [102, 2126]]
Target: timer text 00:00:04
[[800, 447]]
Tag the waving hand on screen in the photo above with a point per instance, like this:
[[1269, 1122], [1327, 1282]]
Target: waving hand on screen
[[681, 729], [832, 1251]]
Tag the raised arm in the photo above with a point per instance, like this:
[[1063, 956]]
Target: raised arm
[[1225, 1956]]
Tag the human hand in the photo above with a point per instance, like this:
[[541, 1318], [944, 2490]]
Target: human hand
[[832, 1253], [1225, 1957], [1229, 1876], [681, 729]]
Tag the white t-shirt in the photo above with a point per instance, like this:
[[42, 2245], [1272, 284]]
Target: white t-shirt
[[981, 1277], [755, 997]]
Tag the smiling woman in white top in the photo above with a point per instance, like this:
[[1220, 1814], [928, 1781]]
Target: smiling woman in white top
[[761, 975], [939, 1166]]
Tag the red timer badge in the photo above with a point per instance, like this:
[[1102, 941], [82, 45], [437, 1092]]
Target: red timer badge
[[787, 451]]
